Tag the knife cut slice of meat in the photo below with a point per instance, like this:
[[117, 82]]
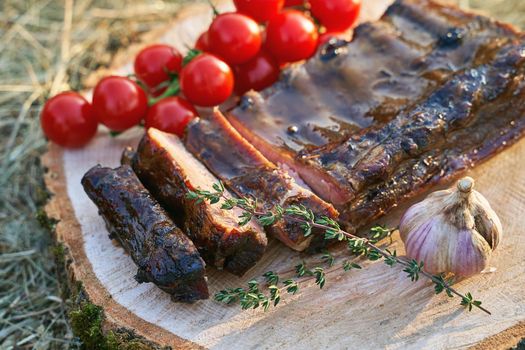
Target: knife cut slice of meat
[[247, 173], [169, 172], [164, 255]]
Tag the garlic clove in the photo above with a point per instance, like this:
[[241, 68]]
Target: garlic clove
[[451, 231], [471, 254], [422, 211], [487, 221]]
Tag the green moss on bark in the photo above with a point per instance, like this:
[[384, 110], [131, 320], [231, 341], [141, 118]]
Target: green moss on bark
[[87, 320], [45, 221], [59, 253]]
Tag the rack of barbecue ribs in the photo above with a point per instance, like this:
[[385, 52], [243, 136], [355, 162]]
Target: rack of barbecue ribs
[[414, 99]]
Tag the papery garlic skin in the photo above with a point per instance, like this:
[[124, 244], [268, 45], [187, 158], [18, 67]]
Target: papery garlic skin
[[451, 231]]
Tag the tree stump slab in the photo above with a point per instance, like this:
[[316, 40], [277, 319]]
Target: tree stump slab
[[376, 307]]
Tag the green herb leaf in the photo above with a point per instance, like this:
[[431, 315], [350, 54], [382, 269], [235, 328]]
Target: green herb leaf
[[328, 258], [348, 265], [245, 218], [301, 270], [275, 294], [379, 232], [413, 269], [391, 259], [319, 277], [307, 228], [373, 255], [271, 277], [292, 286]]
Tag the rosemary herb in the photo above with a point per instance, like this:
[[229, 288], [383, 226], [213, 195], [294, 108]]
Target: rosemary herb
[[254, 296]]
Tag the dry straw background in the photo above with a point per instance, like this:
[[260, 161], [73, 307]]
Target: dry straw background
[[47, 46]]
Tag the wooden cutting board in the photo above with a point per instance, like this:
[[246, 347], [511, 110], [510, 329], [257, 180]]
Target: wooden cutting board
[[376, 307]]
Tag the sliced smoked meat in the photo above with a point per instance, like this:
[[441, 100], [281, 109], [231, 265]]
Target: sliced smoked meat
[[164, 255], [169, 171], [246, 172]]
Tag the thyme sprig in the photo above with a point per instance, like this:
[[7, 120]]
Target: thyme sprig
[[253, 296]]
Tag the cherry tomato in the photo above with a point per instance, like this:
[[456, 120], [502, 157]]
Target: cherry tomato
[[153, 63], [170, 114], [259, 10], [289, 3], [291, 36], [203, 42], [257, 74], [325, 37], [68, 120], [234, 37], [336, 15], [206, 80], [119, 103]]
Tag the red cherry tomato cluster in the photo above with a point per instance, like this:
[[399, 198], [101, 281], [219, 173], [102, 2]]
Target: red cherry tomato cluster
[[241, 51], [287, 32]]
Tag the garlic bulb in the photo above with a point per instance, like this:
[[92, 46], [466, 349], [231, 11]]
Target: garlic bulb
[[452, 231]]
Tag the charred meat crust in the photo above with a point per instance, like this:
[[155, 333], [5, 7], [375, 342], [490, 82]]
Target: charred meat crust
[[169, 171], [477, 114], [127, 156], [163, 254], [246, 172], [437, 139], [416, 98]]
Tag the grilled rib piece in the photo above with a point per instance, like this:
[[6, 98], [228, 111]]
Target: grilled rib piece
[[246, 172], [470, 118], [390, 66], [163, 254], [415, 98], [169, 171]]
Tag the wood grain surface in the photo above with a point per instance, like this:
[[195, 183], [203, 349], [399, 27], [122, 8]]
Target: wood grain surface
[[376, 307]]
